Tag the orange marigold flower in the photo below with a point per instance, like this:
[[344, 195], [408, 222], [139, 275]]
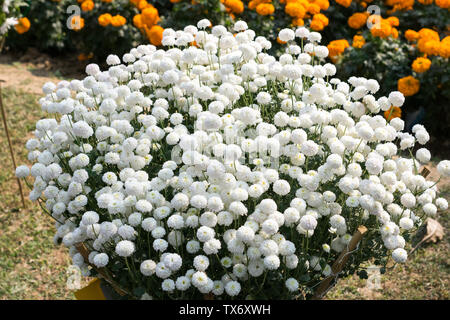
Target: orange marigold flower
[[400, 4], [265, 9], [118, 21], [84, 56], [313, 8], [421, 64], [344, 3], [393, 112], [295, 10], [394, 33], [358, 41], [23, 25], [444, 4], [317, 25], [323, 4], [104, 19], [322, 18], [107, 1], [154, 34], [137, 21], [432, 47], [444, 50], [236, 6], [393, 21], [337, 47], [446, 40], [175, 1], [411, 35], [135, 2], [383, 30], [254, 3], [87, 5], [143, 4], [298, 22], [280, 41], [303, 3], [429, 34], [357, 20], [77, 23], [150, 16], [408, 86]]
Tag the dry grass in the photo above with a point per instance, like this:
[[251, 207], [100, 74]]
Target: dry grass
[[31, 266], [424, 276]]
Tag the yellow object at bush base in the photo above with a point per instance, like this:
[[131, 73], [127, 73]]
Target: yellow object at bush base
[[92, 291]]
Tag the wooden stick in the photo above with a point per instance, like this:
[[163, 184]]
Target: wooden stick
[[340, 262], [425, 172], [102, 271], [10, 145]]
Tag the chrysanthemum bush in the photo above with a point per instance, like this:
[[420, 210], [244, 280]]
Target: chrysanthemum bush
[[218, 169]]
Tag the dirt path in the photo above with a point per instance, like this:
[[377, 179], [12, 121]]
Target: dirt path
[[32, 70], [21, 78]]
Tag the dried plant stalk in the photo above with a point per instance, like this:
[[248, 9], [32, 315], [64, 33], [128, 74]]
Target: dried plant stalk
[[339, 264], [425, 172], [5, 123]]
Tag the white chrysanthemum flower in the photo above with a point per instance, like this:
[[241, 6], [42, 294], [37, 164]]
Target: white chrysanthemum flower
[[308, 222], [286, 35], [272, 262], [101, 260], [443, 168], [168, 285], [399, 255], [233, 288], [22, 171], [183, 283], [292, 284], [441, 203], [201, 263], [125, 248]]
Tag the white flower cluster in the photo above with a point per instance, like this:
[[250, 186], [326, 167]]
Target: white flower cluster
[[204, 166]]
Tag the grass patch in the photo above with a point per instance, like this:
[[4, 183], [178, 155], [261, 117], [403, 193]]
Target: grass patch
[[32, 267]]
